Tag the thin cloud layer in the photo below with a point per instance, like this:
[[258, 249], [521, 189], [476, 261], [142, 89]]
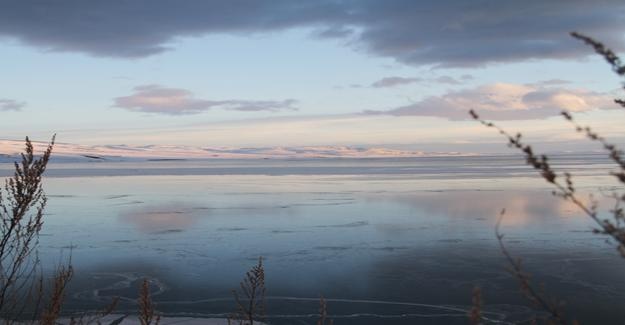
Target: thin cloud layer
[[443, 33], [503, 101], [394, 81], [447, 80], [175, 101], [399, 81], [11, 105]]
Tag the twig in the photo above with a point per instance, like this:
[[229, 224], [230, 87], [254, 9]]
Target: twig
[[555, 314]]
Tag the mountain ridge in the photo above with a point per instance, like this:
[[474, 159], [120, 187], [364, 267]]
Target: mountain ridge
[[10, 149]]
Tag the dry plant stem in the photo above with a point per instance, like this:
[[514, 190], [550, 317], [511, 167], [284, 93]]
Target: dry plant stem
[[147, 312], [53, 310], [323, 313], [96, 318], [612, 59], [567, 190], [37, 297], [19, 230], [22, 202], [614, 153], [614, 228], [555, 315], [475, 314], [251, 307]]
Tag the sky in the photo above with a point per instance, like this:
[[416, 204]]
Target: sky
[[395, 73]]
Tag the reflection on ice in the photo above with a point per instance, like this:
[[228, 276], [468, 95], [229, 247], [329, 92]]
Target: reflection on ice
[[378, 247], [163, 218], [522, 207]]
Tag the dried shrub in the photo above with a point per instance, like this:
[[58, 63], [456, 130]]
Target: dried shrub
[[22, 285], [52, 311], [323, 313], [475, 314], [251, 307], [536, 296], [22, 202], [614, 227], [147, 311], [96, 317], [613, 60]]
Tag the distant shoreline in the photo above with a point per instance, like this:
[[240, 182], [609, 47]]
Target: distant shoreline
[[423, 167]]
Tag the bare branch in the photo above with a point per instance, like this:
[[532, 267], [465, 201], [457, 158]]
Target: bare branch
[[612, 59], [251, 307], [22, 202], [552, 308], [147, 312]]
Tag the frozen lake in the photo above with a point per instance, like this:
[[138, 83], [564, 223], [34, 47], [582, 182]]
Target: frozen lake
[[399, 241]]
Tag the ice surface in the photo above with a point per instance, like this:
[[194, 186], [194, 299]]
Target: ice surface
[[384, 240]]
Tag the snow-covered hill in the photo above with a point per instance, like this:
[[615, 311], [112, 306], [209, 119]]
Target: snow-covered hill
[[10, 149]]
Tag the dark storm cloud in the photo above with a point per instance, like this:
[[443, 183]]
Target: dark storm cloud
[[175, 101], [11, 105], [144, 27], [445, 33]]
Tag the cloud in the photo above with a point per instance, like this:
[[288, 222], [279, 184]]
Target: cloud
[[440, 33], [447, 80], [174, 101], [553, 82], [504, 101], [398, 81], [394, 81], [334, 32], [10, 105]]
